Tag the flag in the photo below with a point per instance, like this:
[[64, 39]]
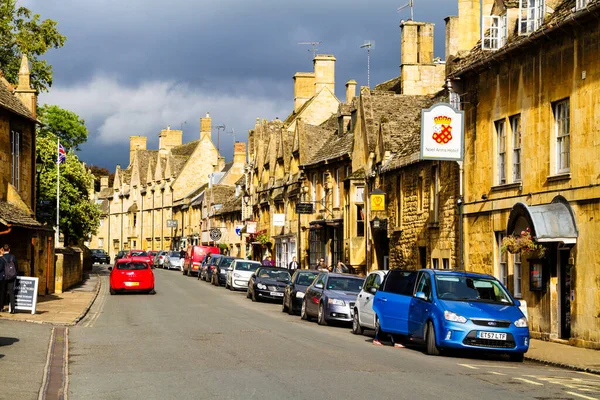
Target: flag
[[62, 154]]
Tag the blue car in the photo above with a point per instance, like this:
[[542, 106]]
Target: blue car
[[451, 310]]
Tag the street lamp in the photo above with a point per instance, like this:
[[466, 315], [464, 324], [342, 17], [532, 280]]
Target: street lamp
[[246, 197], [39, 164]]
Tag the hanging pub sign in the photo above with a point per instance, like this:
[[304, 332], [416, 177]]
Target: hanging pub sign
[[442, 133], [304, 208], [377, 200]]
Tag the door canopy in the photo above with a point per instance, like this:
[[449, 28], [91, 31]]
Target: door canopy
[[553, 222]]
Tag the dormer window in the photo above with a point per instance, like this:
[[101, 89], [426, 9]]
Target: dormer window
[[531, 15], [581, 4], [494, 32]]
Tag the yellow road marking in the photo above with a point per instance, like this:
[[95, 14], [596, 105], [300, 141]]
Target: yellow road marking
[[530, 382], [582, 396]]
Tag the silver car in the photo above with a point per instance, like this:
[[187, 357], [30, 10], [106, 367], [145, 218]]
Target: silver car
[[173, 260]]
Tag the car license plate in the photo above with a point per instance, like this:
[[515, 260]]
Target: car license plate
[[132, 284], [276, 294], [300, 295], [491, 335]]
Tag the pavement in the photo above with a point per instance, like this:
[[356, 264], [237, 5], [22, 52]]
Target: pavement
[[563, 355], [65, 308]]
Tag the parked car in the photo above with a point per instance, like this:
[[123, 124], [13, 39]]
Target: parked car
[[140, 256], [294, 291], [452, 310], [219, 274], [158, 260], [239, 273], [131, 275], [331, 297], [99, 256], [268, 283], [209, 267], [173, 260], [195, 256], [120, 255], [363, 316]]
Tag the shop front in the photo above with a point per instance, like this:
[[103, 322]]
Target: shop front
[[326, 241]]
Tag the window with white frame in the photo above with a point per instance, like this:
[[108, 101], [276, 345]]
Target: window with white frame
[[562, 127], [15, 144], [501, 151], [531, 15], [494, 32], [502, 260], [581, 4], [517, 275], [314, 188], [101, 243], [515, 127]]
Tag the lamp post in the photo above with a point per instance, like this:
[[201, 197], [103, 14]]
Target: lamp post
[[39, 165]]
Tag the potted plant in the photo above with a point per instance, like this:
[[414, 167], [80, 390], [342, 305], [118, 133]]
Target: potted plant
[[523, 243]]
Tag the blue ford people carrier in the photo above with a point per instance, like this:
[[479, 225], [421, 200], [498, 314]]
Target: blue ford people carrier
[[449, 309]]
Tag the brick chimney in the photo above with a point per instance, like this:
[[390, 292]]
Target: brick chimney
[[136, 143], [24, 92], [205, 127], [304, 88], [324, 65]]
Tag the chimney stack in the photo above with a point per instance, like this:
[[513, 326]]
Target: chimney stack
[[169, 138], [136, 143], [24, 92], [350, 91], [304, 88], [324, 65], [103, 182], [469, 31], [205, 127], [239, 153]]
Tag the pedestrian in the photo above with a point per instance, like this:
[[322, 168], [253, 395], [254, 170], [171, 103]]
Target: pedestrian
[[182, 253], [8, 277], [267, 261], [322, 266], [293, 265], [341, 268]]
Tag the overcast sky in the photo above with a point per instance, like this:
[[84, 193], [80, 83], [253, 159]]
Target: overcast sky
[[133, 67]]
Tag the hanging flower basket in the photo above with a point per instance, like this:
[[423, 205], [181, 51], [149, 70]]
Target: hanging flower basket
[[523, 243], [263, 238]]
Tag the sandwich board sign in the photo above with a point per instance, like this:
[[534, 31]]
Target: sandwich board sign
[[26, 291]]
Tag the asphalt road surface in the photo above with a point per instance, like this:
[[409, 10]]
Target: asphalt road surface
[[195, 341]]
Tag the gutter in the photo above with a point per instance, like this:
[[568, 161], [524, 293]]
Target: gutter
[[571, 19]]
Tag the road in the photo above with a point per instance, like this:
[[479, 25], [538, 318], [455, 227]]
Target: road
[[195, 341]]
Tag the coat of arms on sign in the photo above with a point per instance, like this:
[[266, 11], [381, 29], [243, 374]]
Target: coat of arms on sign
[[442, 130]]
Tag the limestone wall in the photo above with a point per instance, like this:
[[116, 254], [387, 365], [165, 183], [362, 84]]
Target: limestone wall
[[69, 268]]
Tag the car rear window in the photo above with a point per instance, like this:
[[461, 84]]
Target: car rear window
[[132, 266], [246, 266], [138, 253], [305, 278], [345, 284], [174, 254]]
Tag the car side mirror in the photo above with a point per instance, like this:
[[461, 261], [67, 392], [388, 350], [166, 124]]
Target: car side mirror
[[110, 268], [229, 269], [421, 295], [517, 303], [372, 290], [318, 286]]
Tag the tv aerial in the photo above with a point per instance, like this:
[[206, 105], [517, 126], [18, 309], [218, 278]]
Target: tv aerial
[[412, 9], [369, 44], [313, 45]]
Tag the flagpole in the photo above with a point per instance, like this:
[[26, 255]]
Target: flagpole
[[57, 193]]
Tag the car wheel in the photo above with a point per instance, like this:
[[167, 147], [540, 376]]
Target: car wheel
[[516, 357], [303, 313], [152, 291], [254, 298], [432, 348], [379, 333], [321, 316], [291, 307], [112, 291], [284, 308], [356, 328]]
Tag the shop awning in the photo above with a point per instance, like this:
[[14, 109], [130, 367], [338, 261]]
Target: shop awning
[[554, 222]]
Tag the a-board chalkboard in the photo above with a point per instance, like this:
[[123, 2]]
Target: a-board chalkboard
[[26, 291]]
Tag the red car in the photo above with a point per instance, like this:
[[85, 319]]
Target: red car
[[141, 256], [131, 275]]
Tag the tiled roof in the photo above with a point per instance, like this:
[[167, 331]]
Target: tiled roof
[[231, 206], [358, 174], [11, 215], [337, 146], [221, 193], [227, 166], [104, 208], [562, 13], [314, 137], [104, 193], [185, 149], [177, 163], [12, 103], [144, 159], [393, 85]]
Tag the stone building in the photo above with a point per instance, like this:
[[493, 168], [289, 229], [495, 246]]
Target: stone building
[[277, 149], [137, 208], [530, 91], [31, 242]]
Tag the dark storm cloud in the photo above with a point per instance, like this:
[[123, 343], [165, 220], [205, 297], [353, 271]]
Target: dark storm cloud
[[132, 67]]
